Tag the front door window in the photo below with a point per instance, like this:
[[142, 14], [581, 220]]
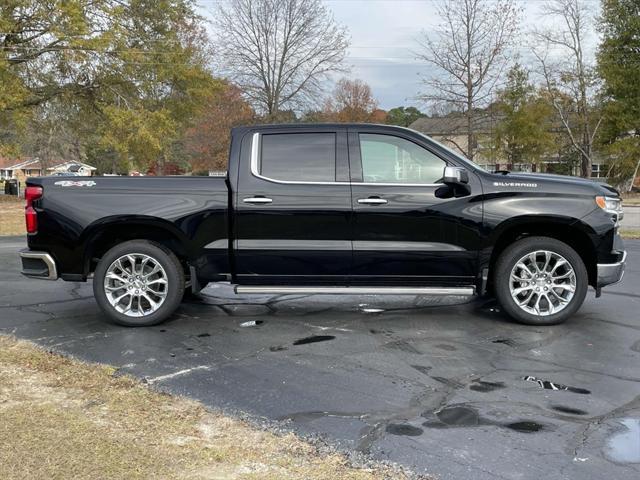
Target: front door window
[[390, 159]]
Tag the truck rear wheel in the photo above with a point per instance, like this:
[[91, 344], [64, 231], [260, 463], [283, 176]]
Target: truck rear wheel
[[540, 281], [138, 283]]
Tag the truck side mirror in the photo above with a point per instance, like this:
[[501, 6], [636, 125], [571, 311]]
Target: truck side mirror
[[455, 176]]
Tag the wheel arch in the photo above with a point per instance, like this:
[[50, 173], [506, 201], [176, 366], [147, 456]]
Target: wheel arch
[[108, 232], [571, 231]]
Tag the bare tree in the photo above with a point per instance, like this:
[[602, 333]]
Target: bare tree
[[468, 48], [279, 51], [569, 79]]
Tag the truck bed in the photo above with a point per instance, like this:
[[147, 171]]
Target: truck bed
[[78, 212]]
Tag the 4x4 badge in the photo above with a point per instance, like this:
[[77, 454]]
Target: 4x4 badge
[[75, 183]]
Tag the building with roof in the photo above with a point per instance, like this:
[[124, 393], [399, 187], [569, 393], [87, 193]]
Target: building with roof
[[451, 130], [72, 168], [11, 168]]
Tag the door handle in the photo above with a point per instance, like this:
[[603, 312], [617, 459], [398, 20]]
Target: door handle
[[372, 201], [257, 200]]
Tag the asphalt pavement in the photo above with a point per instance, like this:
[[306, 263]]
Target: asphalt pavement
[[631, 218], [445, 386]]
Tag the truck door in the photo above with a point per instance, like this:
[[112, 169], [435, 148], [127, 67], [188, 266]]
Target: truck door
[[293, 207], [407, 227]]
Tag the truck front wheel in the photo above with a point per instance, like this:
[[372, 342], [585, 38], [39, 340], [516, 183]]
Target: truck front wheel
[[540, 281], [138, 283]]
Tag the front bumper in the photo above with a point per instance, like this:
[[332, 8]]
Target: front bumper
[[610, 273], [38, 265]]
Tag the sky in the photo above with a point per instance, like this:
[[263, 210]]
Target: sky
[[383, 35]]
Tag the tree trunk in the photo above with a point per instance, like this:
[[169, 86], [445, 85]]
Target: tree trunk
[[470, 136], [470, 149], [585, 163], [635, 174]]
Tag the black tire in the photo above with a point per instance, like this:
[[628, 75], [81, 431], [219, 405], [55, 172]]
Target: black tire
[[175, 282], [517, 251]]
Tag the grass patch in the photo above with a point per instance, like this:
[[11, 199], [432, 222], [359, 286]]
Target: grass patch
[[65, 419], [12, 215], [630, 233], [631, 198]]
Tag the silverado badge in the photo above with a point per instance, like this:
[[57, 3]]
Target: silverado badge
[[515, 184]]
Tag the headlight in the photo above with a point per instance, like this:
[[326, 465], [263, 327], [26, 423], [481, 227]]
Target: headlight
[[610, 205]]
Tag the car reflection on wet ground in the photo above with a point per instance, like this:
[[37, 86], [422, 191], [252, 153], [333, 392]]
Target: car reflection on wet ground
[[445, 386]]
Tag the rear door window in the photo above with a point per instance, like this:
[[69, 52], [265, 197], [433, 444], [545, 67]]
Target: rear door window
[[298, 157]]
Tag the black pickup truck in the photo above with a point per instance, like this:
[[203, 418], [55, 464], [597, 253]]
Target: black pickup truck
[[335, 208]]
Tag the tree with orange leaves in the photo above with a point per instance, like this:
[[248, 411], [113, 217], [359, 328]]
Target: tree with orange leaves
[[207, 142], [352, 101]]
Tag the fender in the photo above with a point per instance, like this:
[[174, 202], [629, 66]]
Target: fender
[[91, 237], [571, 230], [522, 221]]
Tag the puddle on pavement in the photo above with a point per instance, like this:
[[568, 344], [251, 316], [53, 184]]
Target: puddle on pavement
[[482, 386], [403, 429], [421, 369], [457, 416], [449, 382], [403, 346], [490, 307], [251, 323], [547, 385], [460, 417], [375, 331], [624, 445], [314, 339], [524, 427], [569, 410]]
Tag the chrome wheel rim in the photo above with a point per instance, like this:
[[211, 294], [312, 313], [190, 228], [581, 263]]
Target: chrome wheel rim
[[542, 283], [136, 285]]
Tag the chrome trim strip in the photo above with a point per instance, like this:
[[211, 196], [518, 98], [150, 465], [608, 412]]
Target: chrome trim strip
[[222, 243], [46, 258], [390, 245], [399, 184], [345, 245], [610, 273], [292, 244], [255, 171], [283, 290]]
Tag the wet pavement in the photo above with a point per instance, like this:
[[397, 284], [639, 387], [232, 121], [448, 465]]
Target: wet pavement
[[445, 386]]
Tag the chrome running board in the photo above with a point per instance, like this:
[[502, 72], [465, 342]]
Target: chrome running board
[[280, 290]]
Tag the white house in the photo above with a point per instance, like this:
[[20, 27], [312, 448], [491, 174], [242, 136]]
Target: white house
[[29, 167], [77, 168]]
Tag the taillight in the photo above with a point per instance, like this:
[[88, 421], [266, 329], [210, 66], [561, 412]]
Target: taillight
[[30, 214]]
